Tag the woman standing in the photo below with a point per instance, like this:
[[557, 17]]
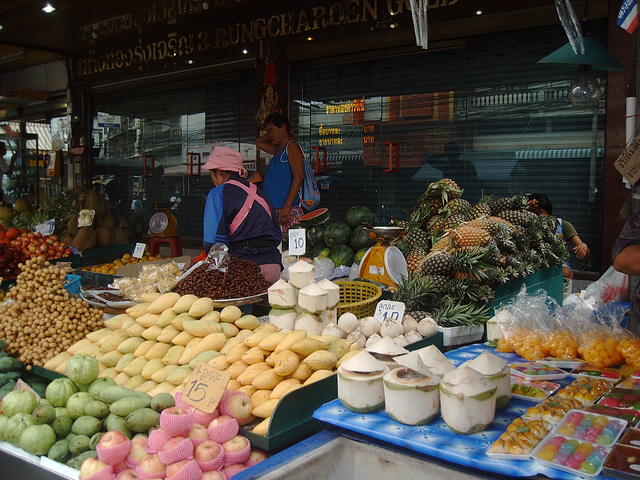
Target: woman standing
[[239, 214], [285, 174]]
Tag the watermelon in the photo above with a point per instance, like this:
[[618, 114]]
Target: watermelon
[[359, 240], [336, 233], [358, 214], [360, 255], [341, 255], [315, 235], [321, 251], [319, 215]]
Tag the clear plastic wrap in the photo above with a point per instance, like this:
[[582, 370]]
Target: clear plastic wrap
[[152, 278], [598, 331], [218, 258]]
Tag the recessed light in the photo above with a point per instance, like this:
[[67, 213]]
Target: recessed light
[[1, 27], [309, 39], [245, 51], [479, 12], [48, 8], [190, 62]]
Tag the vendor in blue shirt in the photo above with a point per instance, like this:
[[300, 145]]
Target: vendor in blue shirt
[[239, 214]]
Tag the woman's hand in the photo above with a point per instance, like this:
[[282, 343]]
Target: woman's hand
[[284, 215]]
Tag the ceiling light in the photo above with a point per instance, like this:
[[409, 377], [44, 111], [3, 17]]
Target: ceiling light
[[479, 12], [1, 27], [48, 8], [245, 51], [309, 38], [190, 62], [12, 56]]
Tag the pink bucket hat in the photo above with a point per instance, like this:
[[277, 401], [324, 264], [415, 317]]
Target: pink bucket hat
[[225, 158]]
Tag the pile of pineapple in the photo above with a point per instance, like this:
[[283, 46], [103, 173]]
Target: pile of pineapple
[[456, 252]]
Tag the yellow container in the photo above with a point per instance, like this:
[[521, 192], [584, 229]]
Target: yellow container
[[359, 298]]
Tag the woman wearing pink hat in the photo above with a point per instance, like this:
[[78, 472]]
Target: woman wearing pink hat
[[240, 215], [285, 174]]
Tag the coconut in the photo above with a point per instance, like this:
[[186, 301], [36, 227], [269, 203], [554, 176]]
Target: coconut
[[372, 339], [360, 385], [435, 360], [427, 327], [333, 292], [412, 337], [348, 322], [357, 337], [411, 395], [494, 325], [401, 340], [309, 322], [467, 400], [385, 350], [369, 326], [330, 315], [301, 274], [391, 328], [408, 324], [283, 318], [312, 298], [333, 330], [282, 295], [495, 369]]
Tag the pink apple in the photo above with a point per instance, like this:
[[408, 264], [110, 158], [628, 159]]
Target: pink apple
[[207, 451], [112, 438], [223, 428], [236, 444], [152, 464], [122, 466], [175, 467], [129, 474], [176, 421], [231, 470], [172, 443], [91, 466], [222, 419], [138, 448], [215, 475], [256, 456], [246, 421], [198, 432], [237, 404]]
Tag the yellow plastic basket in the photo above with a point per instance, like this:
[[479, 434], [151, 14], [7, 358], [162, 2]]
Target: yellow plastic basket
[[359, 298]]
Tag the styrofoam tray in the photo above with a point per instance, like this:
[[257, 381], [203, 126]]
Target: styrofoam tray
[[537, 371]]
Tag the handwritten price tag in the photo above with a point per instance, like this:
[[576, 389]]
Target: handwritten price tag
[[21, 385], [389, 309], [297, 241], [138, 252], [205, 387]]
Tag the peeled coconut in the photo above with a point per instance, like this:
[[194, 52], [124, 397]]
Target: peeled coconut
[[494, 325], [348, 322], [301, 274], [309, 322], [386, 348], [333, 330], [333, 292], [369, 326], [412, 337], [435, 360], [372, 339], [312, 298], [411, 393], [330, 315], [360, 385], [427, 327], [408, 324], [357, 337], [282, 295], [467, 400], [391, 328], [283, 318], [400, 340], [495, 369]]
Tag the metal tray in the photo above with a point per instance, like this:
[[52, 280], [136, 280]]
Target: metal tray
[[239, 301]]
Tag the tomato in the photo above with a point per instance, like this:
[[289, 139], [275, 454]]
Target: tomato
[[12, 233]]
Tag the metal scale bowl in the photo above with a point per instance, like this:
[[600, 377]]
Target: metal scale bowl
[[163, 223], [383, 262]]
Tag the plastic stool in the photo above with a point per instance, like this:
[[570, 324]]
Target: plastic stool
[[174, 243]]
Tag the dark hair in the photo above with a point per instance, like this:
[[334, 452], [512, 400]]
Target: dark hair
[[543, 202], [278, 119]]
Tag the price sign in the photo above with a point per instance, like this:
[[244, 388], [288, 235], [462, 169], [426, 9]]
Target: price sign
[[138, 252], [205, 387], [297, 241], [21, 385], [389, 309], [45, 228]]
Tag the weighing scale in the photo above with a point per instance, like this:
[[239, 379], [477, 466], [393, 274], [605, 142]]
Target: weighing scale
[[163, 223], [383, 263]]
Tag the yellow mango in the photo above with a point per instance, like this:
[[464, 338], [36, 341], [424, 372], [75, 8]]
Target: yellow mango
[[291, 338], [168, 334], [307, 346], [201, 328], [152, 366], [187, 354], [163, 302], [254, 355], [219, 362], [130, 345], [184, 303], [94, 337], [251, 372], [266, 409], [201, 307], [166, 318], [183, 338], [262, 428], [162, 374], [317, 376], [283, 386], [272, 340], [321, 360], [179, 375], [255, 339], [173, 355], [144, 348], [115, 322], [236, 352], [248, 322], [152, 333], [259, 397], [137, 310], [267, 380], [148, 319], [286, 363], [157, 351], [230, 314]]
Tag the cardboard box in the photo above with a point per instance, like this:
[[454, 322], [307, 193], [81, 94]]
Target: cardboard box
[[134, 269]]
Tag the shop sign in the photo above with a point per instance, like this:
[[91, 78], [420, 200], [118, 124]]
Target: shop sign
[[628, 163], [108, 121]]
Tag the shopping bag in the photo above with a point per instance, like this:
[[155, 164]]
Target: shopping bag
[[610, 287]]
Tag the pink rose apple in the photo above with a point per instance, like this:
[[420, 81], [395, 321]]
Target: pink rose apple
[[207, 451], [91, 466], [152, 464], [198, 432], [256, 456], [236, 404]]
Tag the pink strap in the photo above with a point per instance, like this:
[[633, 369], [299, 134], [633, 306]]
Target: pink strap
[[252, 196]]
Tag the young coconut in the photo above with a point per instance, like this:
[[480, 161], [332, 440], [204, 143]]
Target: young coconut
[[357, 337], [360, 386], [312, 299], [282, 295], [309, 322], [427, 327], [348, 322], [494, 326], [372, 339], [390, 328], [333, 292], [400, 340], [284, 319], [495, 369], [411, 392], [369, 326], [467, 400], [301, 274], [409, 324], [333, 330], [386, 350], [330, 315], [412, 337], [435, 360]]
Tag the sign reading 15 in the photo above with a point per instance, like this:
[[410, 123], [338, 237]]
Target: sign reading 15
[[197, 391]]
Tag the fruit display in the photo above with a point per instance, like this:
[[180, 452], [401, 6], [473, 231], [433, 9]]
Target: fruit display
[[43, 319], [155, 345], [152, 279], [41, 247], [126, 259], [457, 252], [10, 370], [521, 437]]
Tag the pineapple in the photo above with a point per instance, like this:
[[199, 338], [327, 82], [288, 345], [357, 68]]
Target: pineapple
[[452, 314], [439, 282], [500, 205], [445, 244], [466, 236], [480, 209], [518, 217], [414, 236], [519, 202], [437, 263], [459, 206], [416, 259], [416, 292], [453, 222]]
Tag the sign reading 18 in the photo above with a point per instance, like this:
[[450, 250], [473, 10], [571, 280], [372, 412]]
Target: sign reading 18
[[197, 391]]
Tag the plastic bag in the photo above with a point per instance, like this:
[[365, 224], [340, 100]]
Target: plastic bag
[[610, 287], [218, 257], [599, 331]]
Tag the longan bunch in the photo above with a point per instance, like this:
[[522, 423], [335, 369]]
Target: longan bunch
[[528, 344], [44, 319], [600, 350], [629, 348], [561, 344]]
